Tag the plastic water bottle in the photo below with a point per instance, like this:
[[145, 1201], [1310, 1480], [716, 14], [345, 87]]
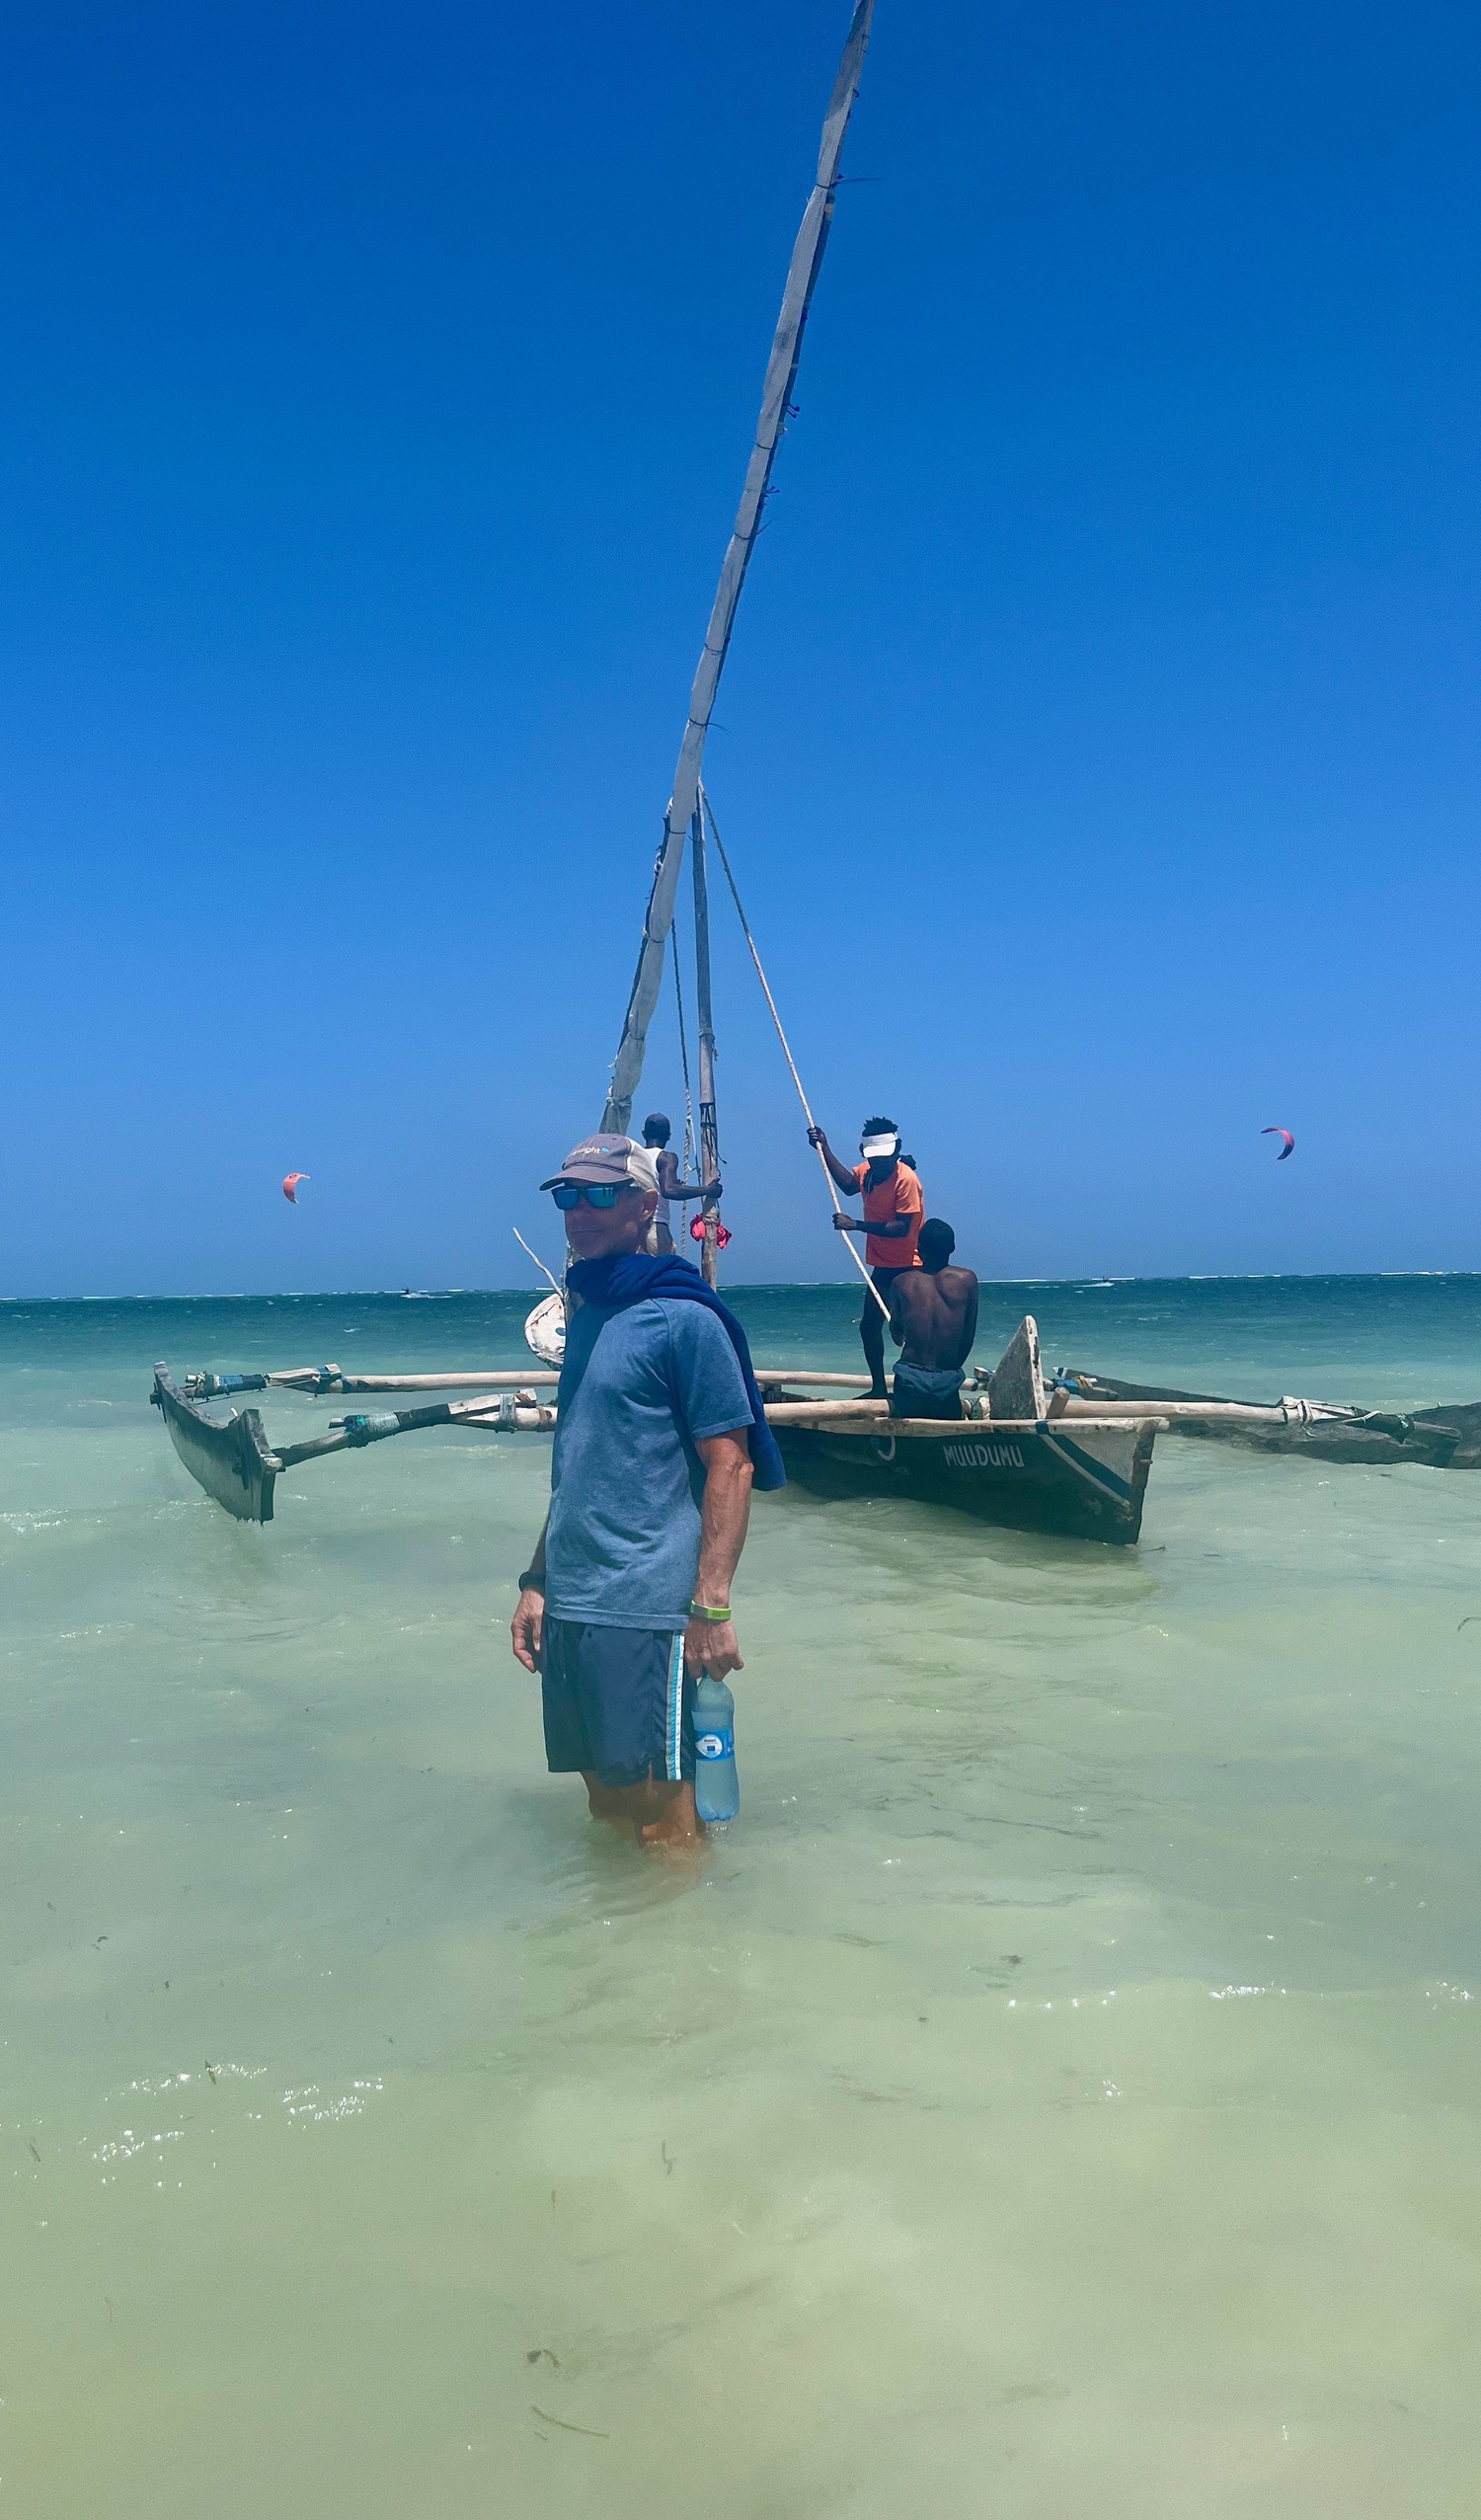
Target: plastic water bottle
[[717, 1788]]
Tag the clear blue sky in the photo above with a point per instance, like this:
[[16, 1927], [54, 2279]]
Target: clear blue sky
[[1100, 743]]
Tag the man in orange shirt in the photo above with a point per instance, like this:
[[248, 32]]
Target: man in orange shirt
[[893, 1205]]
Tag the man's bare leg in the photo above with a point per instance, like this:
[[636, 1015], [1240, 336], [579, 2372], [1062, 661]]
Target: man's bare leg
[[607, 1802], [663, 1814], [659, 1813]]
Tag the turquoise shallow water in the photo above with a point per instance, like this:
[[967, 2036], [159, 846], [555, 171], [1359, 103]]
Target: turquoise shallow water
[[1058, 2092]]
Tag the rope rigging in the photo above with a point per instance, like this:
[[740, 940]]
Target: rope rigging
[[833, 1190], [679, 999]]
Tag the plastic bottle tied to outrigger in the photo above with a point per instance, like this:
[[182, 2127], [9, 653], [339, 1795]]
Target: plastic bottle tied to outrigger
[[717, 1788]]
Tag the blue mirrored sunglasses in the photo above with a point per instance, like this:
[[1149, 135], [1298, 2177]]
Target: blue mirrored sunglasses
[[597, 1194]]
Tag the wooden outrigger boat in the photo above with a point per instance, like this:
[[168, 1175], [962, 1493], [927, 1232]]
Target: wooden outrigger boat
[[1003, 1461], [1088, 1481], [1069, 1454]]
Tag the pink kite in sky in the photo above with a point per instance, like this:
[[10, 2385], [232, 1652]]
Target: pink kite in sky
[[290, 1186], [1274, 1131]]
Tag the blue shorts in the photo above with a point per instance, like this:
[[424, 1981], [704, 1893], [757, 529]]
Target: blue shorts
[[926, 1391], [618, 1702]]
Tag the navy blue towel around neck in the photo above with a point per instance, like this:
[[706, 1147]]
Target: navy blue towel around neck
[[637, 1277]]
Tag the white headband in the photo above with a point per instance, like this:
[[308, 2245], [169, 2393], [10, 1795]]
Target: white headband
[[870, 1147]]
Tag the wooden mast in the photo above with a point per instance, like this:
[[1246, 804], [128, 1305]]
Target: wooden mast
[[776, 404], [709, 1134]]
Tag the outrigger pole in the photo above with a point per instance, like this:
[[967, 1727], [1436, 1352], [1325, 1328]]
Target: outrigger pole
[[776, 402]]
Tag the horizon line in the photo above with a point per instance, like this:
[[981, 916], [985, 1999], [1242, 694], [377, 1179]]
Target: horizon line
[[1089, 1280]]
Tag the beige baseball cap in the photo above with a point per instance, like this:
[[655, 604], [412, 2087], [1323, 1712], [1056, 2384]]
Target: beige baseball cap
[[612, 1159]]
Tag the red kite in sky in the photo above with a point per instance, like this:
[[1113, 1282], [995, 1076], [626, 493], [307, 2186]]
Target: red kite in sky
[[290, 1186], [1273, 1131]]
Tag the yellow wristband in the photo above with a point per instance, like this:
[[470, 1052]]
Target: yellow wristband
[[701, 1610]]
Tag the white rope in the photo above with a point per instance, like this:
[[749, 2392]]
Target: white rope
[[832, 1187]]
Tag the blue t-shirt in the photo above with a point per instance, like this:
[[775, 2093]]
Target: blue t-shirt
[[622, 1548]]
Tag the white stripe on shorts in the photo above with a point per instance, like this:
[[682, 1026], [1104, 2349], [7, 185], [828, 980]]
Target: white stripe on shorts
[[675, 1712]]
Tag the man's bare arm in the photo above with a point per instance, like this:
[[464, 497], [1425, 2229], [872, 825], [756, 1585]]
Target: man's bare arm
[[710, 1643], [894, 1229], [844, 1174], [672, 1185], [970, 1324], [527, 1626]]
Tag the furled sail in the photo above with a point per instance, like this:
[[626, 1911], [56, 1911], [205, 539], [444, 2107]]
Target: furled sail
[[781, 375]]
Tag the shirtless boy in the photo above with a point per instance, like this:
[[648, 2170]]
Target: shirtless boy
[[933, 1320]]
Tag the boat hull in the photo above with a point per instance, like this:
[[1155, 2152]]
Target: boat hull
[[233, 1461], [1088, 1485]]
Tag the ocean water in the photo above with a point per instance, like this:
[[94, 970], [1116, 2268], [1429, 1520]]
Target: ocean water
[[1058, 2092]]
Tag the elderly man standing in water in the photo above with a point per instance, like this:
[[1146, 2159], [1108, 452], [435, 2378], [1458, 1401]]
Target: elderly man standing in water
[[660, 1435]]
